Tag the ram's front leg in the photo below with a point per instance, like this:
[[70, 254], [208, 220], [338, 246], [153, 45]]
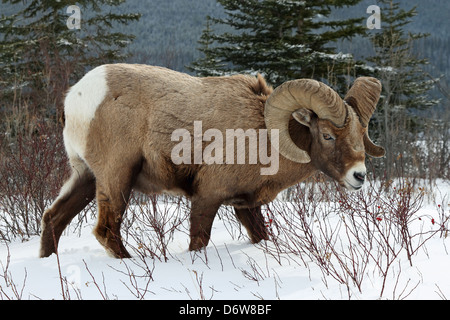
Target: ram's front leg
[[253, 220], [203, 212]]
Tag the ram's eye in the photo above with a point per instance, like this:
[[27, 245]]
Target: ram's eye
[[327, 136]]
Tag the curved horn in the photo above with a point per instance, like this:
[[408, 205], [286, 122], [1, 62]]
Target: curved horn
[[294, 95], [363, 98]]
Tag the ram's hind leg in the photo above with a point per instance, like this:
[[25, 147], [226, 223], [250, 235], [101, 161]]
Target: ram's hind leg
[[113, 192], [76, 194], [253, 221]]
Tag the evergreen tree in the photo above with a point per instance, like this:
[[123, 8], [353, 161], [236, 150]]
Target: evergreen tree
[[394, 60], [208, 65], [41, 55], [282, 39], [405, 84]]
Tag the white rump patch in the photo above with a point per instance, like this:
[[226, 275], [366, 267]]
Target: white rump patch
[[80, 106]]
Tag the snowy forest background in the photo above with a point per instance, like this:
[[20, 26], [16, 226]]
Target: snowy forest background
[[40, 57]]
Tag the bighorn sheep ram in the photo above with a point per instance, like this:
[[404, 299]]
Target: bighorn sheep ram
[[118, 136]]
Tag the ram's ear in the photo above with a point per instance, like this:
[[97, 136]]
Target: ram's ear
[[303, 116]]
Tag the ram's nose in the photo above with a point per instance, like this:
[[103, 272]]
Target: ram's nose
[[355, 177], [360, 176]]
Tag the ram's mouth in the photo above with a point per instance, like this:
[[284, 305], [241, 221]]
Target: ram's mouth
[[355, 177], [351, 187]]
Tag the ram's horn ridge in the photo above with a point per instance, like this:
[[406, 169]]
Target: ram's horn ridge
[[295, 95], [363, 97]]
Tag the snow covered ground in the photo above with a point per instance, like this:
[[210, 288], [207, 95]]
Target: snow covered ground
[[231, 268]]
